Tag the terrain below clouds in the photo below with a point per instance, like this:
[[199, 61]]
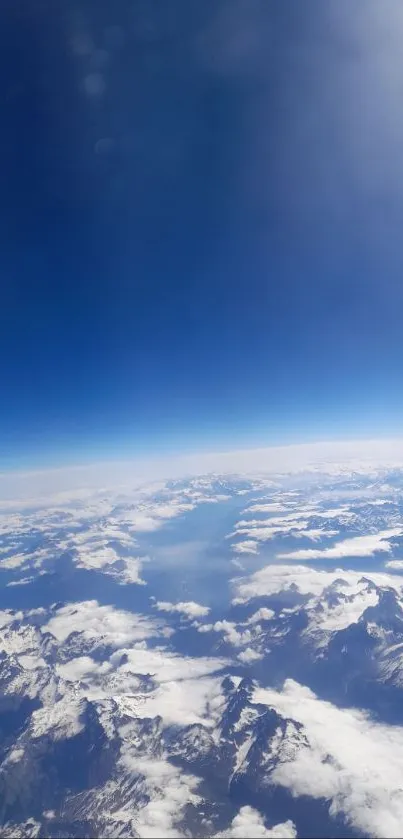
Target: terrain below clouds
[[215, 656]]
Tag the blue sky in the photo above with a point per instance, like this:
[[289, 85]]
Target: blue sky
[[200, 225]]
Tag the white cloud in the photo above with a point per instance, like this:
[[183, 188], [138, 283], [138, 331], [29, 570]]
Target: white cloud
[[273, 579], [294, 524], [149, 517], [262, 614], [15, 561], [22, 582], [270, 507], [7, 617], [168, 790], [314, 534], [60, 720], [186, 688], [395, 564], [183, 690], [19, 640], [294, 520], [337, 458], [15, 755], [105, 558], [357, 546], [249, 824], [10, 546], [131, 572], [248, 656], [81, 667], [337, 616], [96, 524], [249, 546], [237, 564], [96, 556], [204, 627], [333, 513], [165, 665], [352, 594], [31, 662], [101, 624], [350, 760], [230, 632], [188, 608], [379, 502], [185, 702]]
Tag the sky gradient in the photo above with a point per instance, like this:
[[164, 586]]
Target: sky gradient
[[200, 225]]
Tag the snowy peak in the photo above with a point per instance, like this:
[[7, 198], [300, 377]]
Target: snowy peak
[[239, 699], [387, 614]]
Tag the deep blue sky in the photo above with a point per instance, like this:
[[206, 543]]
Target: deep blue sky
[[201, 226]]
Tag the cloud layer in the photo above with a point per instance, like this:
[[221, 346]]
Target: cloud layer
[[349, 760], [357, 546]]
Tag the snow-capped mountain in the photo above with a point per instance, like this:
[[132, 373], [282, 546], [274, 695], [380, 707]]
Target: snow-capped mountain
[[245, 681], [108, 775]]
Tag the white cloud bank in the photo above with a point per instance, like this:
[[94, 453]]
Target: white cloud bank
[[350, 760], [101, 624], [273, 579], [355, 547], [182, 689], [335, 457]]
